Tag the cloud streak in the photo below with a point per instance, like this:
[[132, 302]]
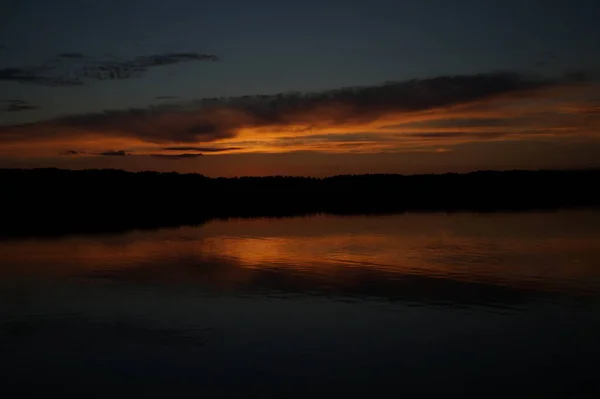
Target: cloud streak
[[129, 153], [40, 75], [119, 153], [74, 69], [175, 156], [17, 106], [72, 55], [202, 149]]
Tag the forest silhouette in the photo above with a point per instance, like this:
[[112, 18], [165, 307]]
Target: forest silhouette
[[47, 202]]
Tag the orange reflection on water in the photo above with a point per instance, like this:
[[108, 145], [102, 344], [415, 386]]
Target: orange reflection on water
[[552, 250]]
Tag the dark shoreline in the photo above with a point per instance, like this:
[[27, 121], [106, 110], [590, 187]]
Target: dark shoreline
[[53, 202]]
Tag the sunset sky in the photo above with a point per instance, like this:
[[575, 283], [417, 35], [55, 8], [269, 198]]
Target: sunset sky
[[314, 87]]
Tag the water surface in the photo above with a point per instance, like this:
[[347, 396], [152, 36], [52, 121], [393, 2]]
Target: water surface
[[465, 303]]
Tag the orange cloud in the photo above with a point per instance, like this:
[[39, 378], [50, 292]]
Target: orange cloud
[[419, 115]]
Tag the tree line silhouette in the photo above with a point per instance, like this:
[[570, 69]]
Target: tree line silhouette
[[57, 201]]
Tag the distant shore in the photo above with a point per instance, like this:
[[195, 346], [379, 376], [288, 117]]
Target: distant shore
[[47, 202]]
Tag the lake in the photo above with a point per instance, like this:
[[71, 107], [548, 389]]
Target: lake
[[474, 304]]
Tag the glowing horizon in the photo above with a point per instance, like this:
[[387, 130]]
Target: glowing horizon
[[398, 118]]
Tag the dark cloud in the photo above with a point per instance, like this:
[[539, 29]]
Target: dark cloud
[[175, 156], [119, 153], [201, 149], [155, 124], [18, 105], [172, 58], [114, 70], [205, 127], [37, 75], [165, 97], [58, 74], [124, 153], [361, 104], [71, 55], [18, 74]]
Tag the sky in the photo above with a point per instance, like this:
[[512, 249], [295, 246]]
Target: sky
[[232, 88]]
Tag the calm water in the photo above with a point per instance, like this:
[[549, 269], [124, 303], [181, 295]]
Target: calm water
[[452, 303]]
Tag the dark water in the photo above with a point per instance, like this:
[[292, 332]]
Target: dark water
[[494, 305]]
